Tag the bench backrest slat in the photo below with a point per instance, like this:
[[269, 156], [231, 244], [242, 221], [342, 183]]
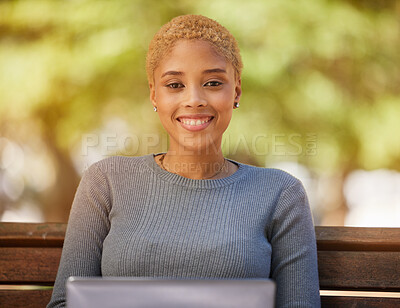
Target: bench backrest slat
[[359, 302], [358, 239], [29, 265], [32, 234], [359, 270], [25, 298]]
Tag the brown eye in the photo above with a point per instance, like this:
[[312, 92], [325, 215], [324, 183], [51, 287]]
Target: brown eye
[[175, 85], [213, 84]]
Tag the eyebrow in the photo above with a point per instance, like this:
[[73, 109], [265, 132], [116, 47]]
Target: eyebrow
[[214, 70], [173, 73], [209, 71]]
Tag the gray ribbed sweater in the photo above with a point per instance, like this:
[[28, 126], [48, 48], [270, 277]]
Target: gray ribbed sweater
[[132, 218]]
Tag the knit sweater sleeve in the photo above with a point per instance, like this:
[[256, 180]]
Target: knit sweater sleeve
[[88, 225], [294, 255]]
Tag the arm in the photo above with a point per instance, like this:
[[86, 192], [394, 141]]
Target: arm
[[88, 225], [294, 264]]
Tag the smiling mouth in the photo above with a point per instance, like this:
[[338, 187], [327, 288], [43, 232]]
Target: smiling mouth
[[195, 122]]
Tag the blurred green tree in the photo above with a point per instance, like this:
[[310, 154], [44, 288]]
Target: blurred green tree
[[321, 83]]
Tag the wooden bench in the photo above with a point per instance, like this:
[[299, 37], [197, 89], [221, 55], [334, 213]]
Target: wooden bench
[[350, 259]]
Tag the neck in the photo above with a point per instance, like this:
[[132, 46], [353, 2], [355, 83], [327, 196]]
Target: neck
[[195, 165]]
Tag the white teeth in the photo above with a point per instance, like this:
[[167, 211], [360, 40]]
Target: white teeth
[[194, 122]]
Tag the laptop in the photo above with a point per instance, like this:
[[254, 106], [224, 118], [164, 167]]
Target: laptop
[[106, 292]]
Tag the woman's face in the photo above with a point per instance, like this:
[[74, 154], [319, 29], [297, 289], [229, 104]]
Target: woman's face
[[194, 90]]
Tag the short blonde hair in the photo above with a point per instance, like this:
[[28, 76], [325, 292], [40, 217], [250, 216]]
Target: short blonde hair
[[192, 27]]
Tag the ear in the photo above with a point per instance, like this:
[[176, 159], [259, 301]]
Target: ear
[[152, 94], [238, 90]]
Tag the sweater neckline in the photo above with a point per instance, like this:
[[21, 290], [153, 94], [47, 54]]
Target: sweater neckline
[[174, 178]]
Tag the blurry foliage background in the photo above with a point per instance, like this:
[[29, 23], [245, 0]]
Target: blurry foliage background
[[321, 88]]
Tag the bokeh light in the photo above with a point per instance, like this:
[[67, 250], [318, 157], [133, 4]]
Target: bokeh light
[[321, 98]]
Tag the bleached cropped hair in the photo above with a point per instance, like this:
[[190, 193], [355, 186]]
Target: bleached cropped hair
[[192, 27]]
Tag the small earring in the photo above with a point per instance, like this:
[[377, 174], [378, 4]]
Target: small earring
[[236, 105], [155, 108]]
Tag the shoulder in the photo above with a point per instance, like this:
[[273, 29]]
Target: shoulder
[[271, 177], [117, 164]]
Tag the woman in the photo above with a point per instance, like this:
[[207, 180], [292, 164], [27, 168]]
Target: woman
[[190, 212]]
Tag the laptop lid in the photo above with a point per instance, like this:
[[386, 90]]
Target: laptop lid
[[119, 292]]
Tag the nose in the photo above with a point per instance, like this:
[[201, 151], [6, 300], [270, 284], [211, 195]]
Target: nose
[[195, 97]]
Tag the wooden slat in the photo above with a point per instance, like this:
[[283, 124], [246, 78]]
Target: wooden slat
[[24, 298], [29, 265], [362, 270], [359, 302], [358, 239], [328, 238], [32, 234]]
